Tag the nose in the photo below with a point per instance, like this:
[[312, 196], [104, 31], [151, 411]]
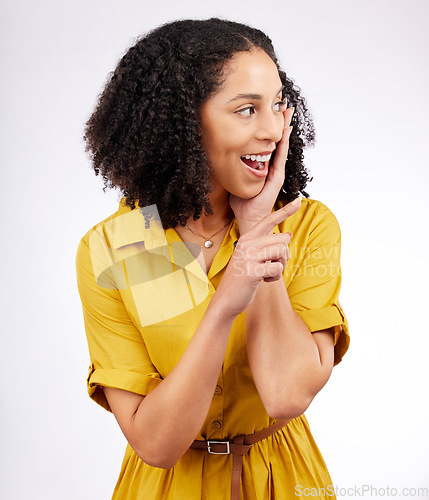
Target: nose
[[270, 127]]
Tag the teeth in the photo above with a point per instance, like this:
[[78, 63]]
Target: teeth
[[260, 158]]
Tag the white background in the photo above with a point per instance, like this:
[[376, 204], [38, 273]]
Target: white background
[[363, 66]]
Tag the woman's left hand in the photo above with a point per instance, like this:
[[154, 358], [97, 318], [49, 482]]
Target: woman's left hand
[[249, 212]]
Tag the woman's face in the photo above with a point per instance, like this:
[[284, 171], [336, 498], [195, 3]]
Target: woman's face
[[242, 124]]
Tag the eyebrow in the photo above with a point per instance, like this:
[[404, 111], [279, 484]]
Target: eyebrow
[[256, 97]]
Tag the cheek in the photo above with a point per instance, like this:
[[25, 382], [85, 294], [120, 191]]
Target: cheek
[[224, 144], [235, 141], [223, 139]]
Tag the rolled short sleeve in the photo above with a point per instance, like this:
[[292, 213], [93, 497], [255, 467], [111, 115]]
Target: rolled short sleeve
[[118, 354], [315, 287]]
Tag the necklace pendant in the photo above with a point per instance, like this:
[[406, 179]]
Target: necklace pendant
[[208, 243]]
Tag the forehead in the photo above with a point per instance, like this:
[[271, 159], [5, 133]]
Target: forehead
[[250, 72]]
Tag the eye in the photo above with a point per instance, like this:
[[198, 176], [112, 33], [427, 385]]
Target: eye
[[249, 111], [280, 106]]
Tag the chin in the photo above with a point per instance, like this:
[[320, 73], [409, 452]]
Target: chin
[[247, 194]]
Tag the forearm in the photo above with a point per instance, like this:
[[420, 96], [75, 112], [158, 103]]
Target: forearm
[[171, 416], [283, 355]]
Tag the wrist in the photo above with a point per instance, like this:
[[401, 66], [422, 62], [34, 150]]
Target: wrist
[[218, 312], [245, 226]]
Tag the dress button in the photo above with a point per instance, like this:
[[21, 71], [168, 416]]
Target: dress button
[[218, 389], [217, 424]]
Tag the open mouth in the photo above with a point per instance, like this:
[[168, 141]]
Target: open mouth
[[257, 162]]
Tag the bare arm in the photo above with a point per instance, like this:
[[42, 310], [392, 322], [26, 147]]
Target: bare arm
[[151, 424], [289, 364]]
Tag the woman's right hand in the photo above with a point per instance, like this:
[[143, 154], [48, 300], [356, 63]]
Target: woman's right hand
[[260, 255]]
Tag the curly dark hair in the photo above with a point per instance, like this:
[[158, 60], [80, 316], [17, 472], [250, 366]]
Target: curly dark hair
[[144, 135]]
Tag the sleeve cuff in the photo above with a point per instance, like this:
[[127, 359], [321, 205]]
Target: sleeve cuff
[[119, 379], [328, 317]]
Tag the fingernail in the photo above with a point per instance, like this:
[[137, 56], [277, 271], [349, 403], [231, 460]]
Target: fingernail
[[296, 201], [290, 130]]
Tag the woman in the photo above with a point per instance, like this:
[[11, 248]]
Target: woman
[[211, 297]]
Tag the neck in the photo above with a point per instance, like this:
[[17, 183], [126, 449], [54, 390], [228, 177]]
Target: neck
[[222, 213]]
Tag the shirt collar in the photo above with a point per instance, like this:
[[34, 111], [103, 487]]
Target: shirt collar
[[143, 225], [134, 226]]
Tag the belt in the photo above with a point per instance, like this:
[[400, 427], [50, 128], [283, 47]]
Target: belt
[[239, 446]]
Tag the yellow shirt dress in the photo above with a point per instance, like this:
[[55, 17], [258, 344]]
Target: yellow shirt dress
[[143, 296]]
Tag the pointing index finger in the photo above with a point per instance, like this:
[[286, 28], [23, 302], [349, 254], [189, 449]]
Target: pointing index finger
[[267, 224]]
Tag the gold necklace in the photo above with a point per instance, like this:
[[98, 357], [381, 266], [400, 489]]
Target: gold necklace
[[208, 243]]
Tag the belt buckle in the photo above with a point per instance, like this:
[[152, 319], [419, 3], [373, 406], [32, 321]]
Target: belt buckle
[[226, 443]]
